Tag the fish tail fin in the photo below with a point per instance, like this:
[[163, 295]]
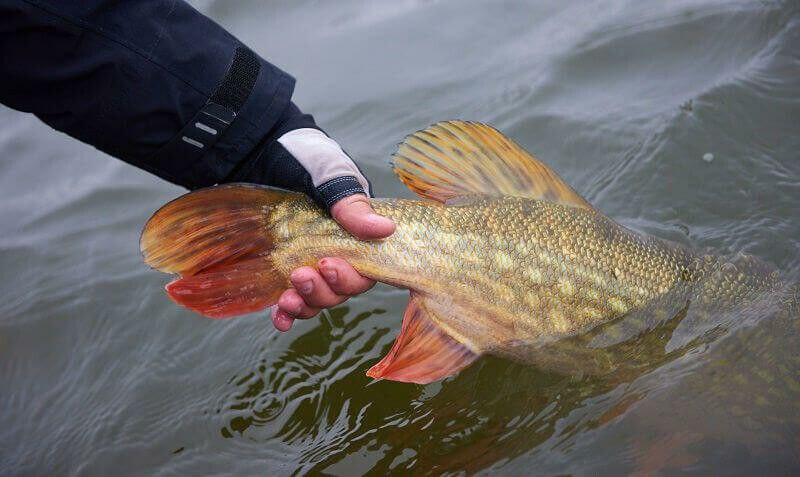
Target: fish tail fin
[[218, 241]]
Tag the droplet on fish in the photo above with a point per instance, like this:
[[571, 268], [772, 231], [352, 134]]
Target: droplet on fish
[[708, 157]]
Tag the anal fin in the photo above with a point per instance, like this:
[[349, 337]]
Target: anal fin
[[423, 352]]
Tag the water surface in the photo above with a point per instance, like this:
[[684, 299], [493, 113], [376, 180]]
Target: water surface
[[102, 374]]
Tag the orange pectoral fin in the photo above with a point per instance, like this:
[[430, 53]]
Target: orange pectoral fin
[[422, 353]]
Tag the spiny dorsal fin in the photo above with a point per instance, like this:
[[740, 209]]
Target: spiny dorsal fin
[[423, 352], [456, 158]]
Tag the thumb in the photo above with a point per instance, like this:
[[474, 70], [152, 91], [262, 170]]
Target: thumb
[[355, 214]]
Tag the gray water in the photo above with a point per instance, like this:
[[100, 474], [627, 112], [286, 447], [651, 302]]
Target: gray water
[[100, 374]]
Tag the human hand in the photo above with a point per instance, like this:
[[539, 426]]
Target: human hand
[[334, 280]]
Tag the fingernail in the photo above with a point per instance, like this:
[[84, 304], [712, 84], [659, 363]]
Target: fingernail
[[305, 287], [331, 275], [281, 321]]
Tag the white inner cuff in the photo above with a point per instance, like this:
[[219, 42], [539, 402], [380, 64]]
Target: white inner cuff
[[321, 156]]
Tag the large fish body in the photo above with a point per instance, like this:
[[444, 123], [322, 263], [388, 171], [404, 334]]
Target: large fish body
[[501, 254], [498, 266]]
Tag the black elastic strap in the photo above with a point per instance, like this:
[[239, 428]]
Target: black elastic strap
[[238, 82], [214, 118], [336, 189]]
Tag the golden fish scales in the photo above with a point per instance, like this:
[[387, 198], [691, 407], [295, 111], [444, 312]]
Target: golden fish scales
[[501, 253]]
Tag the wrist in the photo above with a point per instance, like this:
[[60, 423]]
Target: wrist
[[329, 166], [297, 155]]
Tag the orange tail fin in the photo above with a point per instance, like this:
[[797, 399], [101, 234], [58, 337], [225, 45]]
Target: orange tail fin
[[218, 241]]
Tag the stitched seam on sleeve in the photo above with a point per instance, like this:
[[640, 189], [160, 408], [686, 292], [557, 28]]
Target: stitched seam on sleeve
[[161, 31], [102, 33], [338, 180], [343, 193]]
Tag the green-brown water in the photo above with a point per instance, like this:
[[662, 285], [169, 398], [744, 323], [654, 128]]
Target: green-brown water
[[100, 373]]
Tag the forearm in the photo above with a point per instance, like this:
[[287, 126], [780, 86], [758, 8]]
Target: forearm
[[155, 83]]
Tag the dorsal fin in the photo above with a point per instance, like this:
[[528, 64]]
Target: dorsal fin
[[457, 158], [423, 352]]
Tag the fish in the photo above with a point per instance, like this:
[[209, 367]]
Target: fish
[[499, 254]]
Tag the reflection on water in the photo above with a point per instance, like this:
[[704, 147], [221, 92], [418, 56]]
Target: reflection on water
[[315, 397], [323, 358]]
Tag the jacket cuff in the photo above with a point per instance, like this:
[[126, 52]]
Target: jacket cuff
[[253, 168], [275, 166], [247, 104]]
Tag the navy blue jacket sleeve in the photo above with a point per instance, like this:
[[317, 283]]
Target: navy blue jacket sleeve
[[154, 83]]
